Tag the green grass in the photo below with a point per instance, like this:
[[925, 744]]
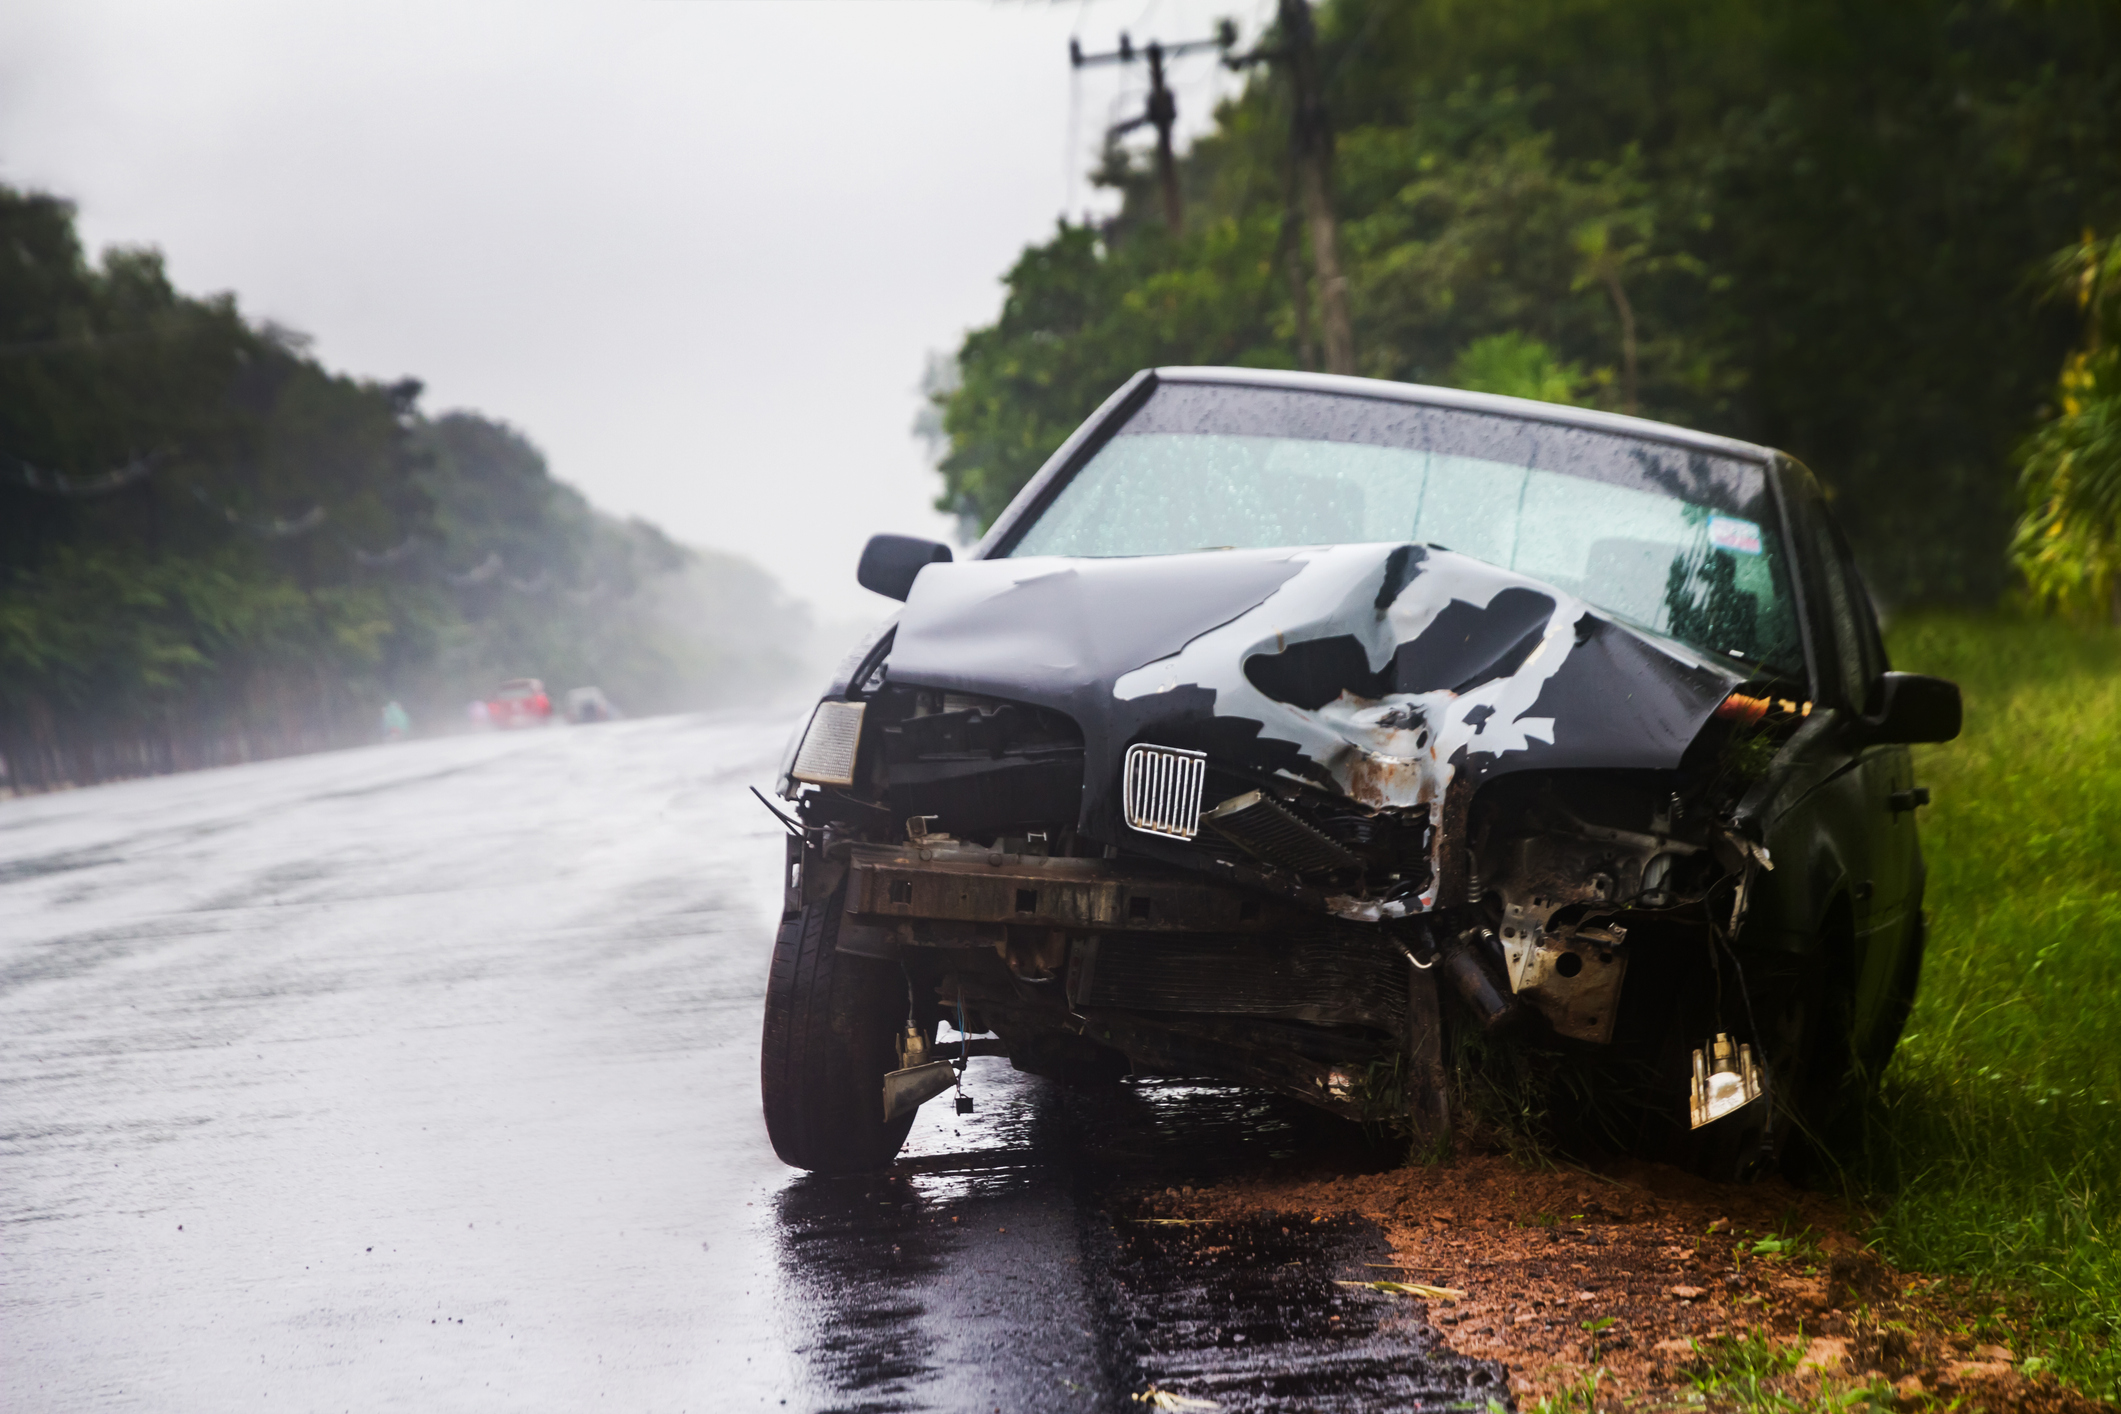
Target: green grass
[[1749, 1374], [1996, 1151]]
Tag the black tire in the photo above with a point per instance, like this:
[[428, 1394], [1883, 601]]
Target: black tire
[[1805, 1010], [832, 1025], [1786, 1010]]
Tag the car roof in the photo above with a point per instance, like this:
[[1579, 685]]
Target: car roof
[[1523, 408]]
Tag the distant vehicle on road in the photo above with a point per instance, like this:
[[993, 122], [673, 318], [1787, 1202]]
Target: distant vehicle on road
[[589, 704], [519, 702], [1306, 731]]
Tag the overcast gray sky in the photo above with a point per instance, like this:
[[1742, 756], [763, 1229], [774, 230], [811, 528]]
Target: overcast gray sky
[[697, 251]]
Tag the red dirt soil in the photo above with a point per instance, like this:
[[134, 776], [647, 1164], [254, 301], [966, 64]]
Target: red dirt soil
[[1668, 1258]]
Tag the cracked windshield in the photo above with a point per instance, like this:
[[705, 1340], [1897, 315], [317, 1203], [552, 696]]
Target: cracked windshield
[[1705, 575]]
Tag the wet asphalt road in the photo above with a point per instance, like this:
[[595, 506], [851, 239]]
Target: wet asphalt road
[[425, 1077]]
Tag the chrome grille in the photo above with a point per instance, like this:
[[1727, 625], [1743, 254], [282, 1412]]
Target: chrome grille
[[1161, 788]]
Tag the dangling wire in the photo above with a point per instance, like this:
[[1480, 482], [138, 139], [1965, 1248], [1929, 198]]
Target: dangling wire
[[1745, 995], [794, 830], [1720, 946]]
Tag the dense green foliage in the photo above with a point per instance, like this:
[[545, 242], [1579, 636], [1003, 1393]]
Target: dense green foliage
[[1820, 219], [2069, 540], [211, 547], [1996, 1147]]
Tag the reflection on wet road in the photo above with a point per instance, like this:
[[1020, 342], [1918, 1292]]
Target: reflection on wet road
[[1016, 1262], [426, 1077]]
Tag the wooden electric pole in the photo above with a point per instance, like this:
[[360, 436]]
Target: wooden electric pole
[[1162, 110], [1311, 174], [1311, 151]]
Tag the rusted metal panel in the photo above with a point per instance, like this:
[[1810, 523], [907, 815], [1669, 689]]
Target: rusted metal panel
[[982, 886]]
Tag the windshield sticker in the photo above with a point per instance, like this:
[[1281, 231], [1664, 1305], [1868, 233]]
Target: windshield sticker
[[1740, 537]]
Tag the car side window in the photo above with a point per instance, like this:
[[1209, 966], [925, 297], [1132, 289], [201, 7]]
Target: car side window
[[1870, 643], [1846, 607]]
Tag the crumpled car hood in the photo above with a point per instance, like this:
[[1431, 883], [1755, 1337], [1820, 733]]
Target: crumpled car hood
[[1383, 672]]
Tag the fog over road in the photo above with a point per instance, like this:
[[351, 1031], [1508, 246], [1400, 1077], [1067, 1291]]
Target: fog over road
[[426, 1077]]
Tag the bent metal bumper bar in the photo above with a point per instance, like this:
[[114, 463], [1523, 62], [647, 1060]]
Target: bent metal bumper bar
[[967, 884], [1191, 1013]]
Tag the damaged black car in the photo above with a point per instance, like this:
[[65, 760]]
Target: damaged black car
[[1320, 733]]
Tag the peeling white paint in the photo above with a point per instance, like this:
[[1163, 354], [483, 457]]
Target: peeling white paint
[[1393, 753]]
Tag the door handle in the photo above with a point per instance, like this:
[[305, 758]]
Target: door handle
[[1907, 799]]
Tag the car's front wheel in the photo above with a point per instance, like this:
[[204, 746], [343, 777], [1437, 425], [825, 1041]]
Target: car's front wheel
[[832, 1025]]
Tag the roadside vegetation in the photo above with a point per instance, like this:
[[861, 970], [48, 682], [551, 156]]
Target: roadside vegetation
[[1996, 1152], [214, 548]]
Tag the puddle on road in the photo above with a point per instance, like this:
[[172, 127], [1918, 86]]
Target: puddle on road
[[1249, 1314], [1008, 1261]]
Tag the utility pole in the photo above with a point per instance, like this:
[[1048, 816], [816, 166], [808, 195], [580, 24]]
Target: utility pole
[[1311, 139], [1311, 158], [1162, 109], [1163, 112]]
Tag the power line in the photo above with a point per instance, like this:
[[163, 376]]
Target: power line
[[276, 529], [59, 483], [1162, 109]]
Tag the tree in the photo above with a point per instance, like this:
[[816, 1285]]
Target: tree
[[2068, 542]]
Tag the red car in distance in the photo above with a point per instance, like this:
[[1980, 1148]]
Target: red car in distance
[[519, 702]]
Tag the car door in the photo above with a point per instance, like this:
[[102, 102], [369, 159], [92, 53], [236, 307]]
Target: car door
[[1888, 895], [1873, 845], [1817, 825]]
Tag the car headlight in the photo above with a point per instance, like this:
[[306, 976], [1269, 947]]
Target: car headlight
[[830, 744]]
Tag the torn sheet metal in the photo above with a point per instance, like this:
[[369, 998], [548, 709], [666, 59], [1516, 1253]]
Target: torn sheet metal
[[1572, 977], [1377, 673], [915, 1086]]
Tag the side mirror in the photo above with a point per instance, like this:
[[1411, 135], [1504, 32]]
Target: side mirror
[[1914, 708], [890, 563]]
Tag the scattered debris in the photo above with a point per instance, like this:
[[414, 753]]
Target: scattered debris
[[1410, 1288]]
